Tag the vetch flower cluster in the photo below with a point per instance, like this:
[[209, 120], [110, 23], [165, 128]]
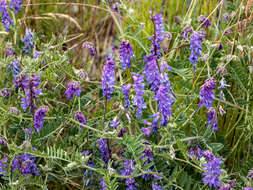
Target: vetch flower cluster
[[146, 154], [212, 170], [105, 150], [186, 31], [125, 54], [158, 36], [25, 164], [3, 165], [16, 5], [14, 65], [129, 169], [195, 47], [139, 100], [28, 42], [39, 117], [80, 117], [207, 93], [156, 186], [204, 21], [90, 46], [212, 119], [108, 77], [73, 89], [6, 19], [126, 90], [31, 92]]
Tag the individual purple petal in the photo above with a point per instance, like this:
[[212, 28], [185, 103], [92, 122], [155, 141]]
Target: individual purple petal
[[146, 131]]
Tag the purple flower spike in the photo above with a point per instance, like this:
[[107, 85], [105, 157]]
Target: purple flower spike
[[5, 92], [146, 131], [14, 65], [155, 127], [122, 132], [225, 187], [80, 117], [31, 92], [105, 150], [196, 152], [212, 170], [158, 36], [247, 188], [126, 90], [207, 93], [125, 54], [164, 99], [212, 119], [151, 72], [156, 186], [6, 19], [73, 89], [16, 5], [204, 21], [139, 100], [195, 47], [39, 117], [28, 42], [108, 77], [90, 46], [129, 169]]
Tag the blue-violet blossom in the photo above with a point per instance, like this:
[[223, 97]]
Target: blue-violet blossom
[[207, 93], [16, 5], [80, 117], [125, 54], [73, 89], [39, 117], [126, 89], [212, 119], [14, 65], [104, 149], [129, 169], [204, 21], [6, 19], [28, 42]]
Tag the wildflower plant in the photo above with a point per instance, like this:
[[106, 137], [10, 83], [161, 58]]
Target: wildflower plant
[[76, 115]]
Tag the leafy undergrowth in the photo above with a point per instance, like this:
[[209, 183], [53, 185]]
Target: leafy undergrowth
[[164, 103]]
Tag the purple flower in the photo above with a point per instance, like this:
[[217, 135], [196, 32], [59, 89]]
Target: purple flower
[[29, 132], [158, 36], [204, 21], [28, 42], [126, 90], [80, 117], [114, 123], [212, 170], [212, 119], [125, 54], [39, 117], [6, 19], [156, 186], [108, 77], [25, 164], [16, 5], [146, 154], [228, 32], [103, 185], [21, 81], [105, 150], [146, 131], [207, 93], [31, 92], [186, 31], [15, 66], [139, 100], [196, 152], [151, 72], [73, 89], [2, 141], [122, 132], [3, 166], [250, 174], [247, 188], [155, 127], [129, 169], [9, 51], [226, 16], [4, 92], [164, 99], [195, 47], [90, 46], [225, 187]]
